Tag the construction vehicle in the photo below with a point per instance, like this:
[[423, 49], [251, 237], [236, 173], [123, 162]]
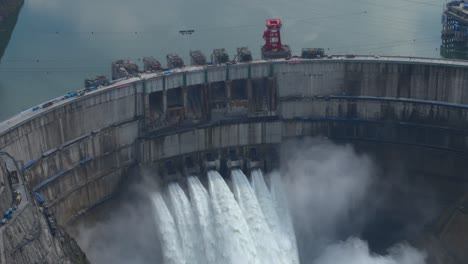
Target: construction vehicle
[[124, 69], [70, 95], [174, 61], [45, 105], [244, 54], [18, 198], [8, 213], [219, 56], [150, 64], [39, 198], [274, 48], [50, 220], [197, 58], [315, 53], [98, 81]]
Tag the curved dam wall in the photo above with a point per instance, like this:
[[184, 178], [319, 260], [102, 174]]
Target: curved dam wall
[[77, 151]]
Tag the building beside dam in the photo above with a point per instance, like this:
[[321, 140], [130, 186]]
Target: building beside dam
[[455, 30], [77, 150]]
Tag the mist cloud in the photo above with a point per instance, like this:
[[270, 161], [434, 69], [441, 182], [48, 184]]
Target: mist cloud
[[122, 230], [356, 251], [327, 183], [330, 189], [331, 195]]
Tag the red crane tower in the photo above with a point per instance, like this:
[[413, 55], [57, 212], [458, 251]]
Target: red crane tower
[[273, 48]]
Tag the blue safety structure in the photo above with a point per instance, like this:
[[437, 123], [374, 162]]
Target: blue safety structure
[[70, 95], [8, 213], [39, 197]]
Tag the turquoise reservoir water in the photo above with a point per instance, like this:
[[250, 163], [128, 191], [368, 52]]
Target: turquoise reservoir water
[[56, 44]]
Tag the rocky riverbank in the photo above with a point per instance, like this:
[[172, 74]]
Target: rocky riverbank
[[9, 8], [9, 11], [30, 233]]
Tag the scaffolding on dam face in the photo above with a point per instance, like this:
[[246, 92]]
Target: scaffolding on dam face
[[454, 33]]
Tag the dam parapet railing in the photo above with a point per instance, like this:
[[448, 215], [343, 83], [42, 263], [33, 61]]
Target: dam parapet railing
[[27, 114], [77, 150]]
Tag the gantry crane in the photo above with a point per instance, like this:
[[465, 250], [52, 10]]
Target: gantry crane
[[273, 48]]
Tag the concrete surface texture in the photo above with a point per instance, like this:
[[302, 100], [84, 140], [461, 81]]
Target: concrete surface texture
[[27, 235], [6, 195], [77, 151], [27, 240]]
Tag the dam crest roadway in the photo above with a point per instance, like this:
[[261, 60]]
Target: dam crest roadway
[[25, 115]]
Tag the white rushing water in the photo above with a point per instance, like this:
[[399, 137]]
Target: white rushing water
[[282, 209], [264, 240], [202, 210], [268, 206], [168, 234], [232, 232], [185, 222], [242, 226]]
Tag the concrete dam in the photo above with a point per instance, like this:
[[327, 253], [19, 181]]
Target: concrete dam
[[409, 114]]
